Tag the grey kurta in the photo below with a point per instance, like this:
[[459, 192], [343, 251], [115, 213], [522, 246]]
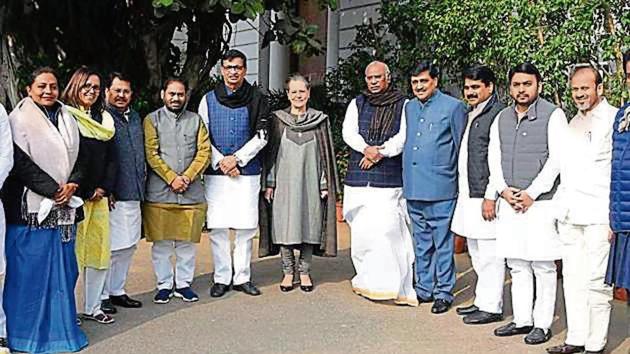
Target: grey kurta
[[298, 177]]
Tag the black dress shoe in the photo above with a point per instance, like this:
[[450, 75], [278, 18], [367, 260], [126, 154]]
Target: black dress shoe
[[565, 349], [125, 301], [440, 306], [286, 289], [248, 288], [425, 301], [537, 336], [218, 289], [510, 329], [307, 288], [482, 317], [466, 310], [107, 307]]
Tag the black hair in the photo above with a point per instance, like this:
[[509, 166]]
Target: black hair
[[482, 73], [232, 54], [626, 59], [525, 68], [120, 76], [426, 65], [170, 80], [39, 71]]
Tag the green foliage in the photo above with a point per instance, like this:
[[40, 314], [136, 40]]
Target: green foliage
[[553, 34], [135, 37]]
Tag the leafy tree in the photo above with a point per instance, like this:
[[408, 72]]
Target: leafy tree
[[553, 34], [135, 36]]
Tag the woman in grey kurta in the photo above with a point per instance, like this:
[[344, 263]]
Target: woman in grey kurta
[[300, 172]]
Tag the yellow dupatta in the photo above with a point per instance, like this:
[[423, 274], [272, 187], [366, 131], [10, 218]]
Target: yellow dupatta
[[90, 128]]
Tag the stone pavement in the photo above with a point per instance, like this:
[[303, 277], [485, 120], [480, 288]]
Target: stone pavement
[[329, 320]]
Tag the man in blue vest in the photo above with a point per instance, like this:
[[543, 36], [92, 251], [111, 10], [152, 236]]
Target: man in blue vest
[[526, 143], [125, 217], [381, 249], [435, 126], [236, 114]]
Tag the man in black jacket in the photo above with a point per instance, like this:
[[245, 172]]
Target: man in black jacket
[[474, 215]]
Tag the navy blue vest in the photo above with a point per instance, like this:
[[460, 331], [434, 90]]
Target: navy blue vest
[[388, 172], [129, 152], [230, 130]]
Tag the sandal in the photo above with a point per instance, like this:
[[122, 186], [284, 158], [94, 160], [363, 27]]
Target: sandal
[[100, 318]]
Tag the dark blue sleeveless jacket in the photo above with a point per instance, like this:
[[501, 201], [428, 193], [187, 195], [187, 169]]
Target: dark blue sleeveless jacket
[[229, 131], [620, 177], [388, 172]]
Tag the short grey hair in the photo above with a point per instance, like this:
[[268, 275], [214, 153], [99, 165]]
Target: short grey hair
[[297, 77], [376, 62]]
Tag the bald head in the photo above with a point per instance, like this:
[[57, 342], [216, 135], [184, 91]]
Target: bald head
[[377, 77]]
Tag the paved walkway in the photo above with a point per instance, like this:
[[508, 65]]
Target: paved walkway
[[329, 320]]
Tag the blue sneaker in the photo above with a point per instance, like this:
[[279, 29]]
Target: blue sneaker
[[163, 296], [186, 294]]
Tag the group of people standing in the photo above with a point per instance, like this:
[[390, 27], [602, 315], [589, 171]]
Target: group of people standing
[[525, 186], [84, 177]]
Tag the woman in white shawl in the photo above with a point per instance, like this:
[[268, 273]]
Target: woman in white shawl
[[38, 196]]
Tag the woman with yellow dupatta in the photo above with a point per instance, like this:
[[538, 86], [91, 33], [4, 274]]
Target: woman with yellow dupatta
[[85, 101]]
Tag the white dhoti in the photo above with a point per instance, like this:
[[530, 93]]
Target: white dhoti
[[232, 204], [381, 245], [490, 268], [125, 222]]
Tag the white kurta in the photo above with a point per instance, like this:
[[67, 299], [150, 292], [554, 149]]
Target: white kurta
[[531, 235], [6, 163], [583, 194], [125, 222], [467, 218], [232, 201]]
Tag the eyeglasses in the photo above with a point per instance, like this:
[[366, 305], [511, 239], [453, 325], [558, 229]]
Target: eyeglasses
[[88, 88], [233, 67]]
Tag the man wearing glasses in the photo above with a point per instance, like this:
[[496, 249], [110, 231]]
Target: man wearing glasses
[[236, 114]]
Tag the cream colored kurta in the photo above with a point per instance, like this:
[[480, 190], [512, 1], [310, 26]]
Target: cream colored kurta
[[532, 235], [467, 218]]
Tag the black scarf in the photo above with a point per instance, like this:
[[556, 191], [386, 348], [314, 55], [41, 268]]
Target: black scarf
[[385, 103], [250, 96]]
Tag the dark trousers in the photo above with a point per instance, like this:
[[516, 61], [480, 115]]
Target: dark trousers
[[435, 263]]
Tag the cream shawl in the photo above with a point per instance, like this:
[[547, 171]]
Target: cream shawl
[[54, 150]]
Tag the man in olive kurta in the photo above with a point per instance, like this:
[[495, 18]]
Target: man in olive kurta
[[177, 148]]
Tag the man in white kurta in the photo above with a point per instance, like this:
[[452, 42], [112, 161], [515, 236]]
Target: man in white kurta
[[234, 113], [6, 163], [381, 244], [582, 212], [474, 216], [525, 148]]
